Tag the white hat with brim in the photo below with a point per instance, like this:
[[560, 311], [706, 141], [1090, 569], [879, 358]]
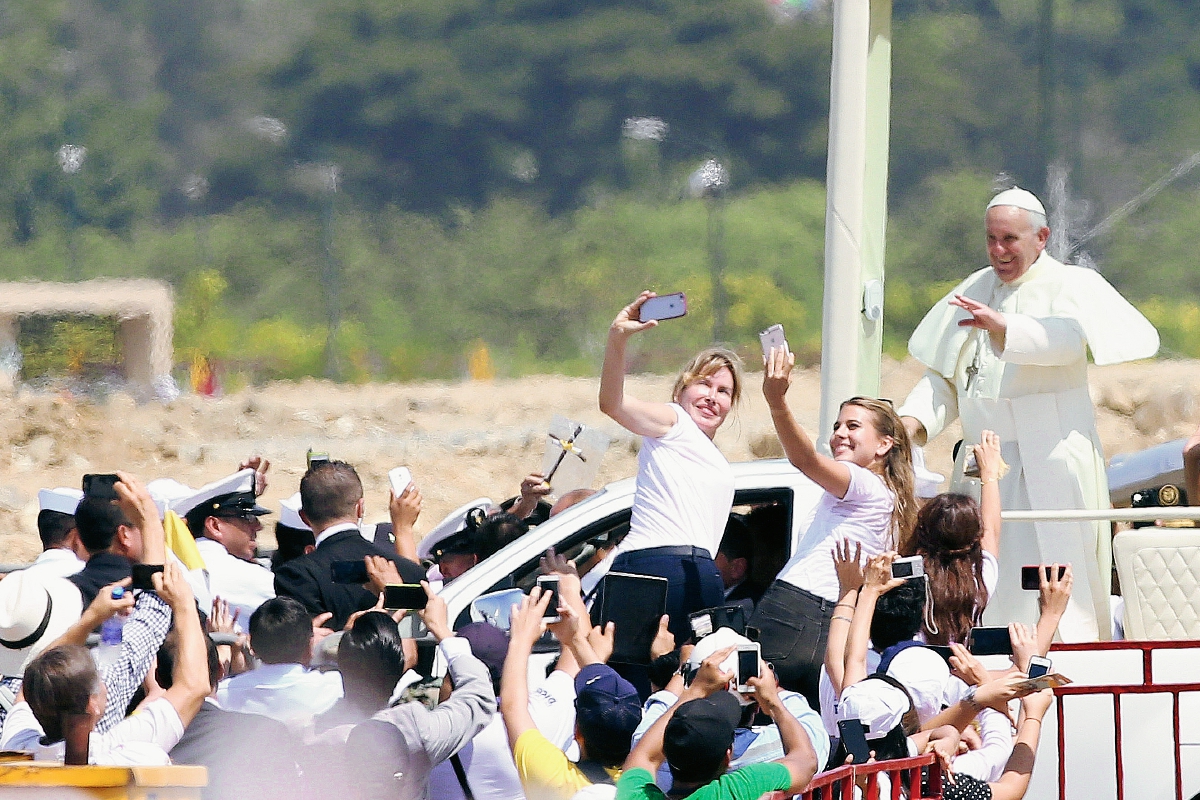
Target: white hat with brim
[[289, 513], [234, 493], [1019, 198], [925, 674], [165, 492], [454, 523], [34, 611], [60, 499], [876, 704], [717, 640]]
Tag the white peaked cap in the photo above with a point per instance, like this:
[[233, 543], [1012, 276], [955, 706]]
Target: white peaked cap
[[1020, 198], [166, 492], [877, 704], [289, 513], [215, 494], [717, 640], [454, 523], [925, 674], [61, 499]]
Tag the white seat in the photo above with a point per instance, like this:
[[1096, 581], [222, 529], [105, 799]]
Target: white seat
[[1159, 570]]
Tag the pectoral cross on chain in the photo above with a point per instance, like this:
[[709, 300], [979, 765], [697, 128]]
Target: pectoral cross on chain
[[568, 446], [972, 371]]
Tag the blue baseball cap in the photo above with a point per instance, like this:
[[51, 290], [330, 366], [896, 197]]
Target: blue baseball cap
[[606, 704]]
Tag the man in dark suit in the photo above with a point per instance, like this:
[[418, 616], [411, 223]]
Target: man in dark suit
[[734, 558], [331, 503]]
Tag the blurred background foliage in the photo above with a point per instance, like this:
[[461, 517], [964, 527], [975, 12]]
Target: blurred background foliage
[[435, 181]]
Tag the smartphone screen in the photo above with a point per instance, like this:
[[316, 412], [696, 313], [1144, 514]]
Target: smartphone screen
[[348, 571], [747, 667], [404, 595], [1029, 575], [665, 306], [100, 486], [142, 576], [634, 604], [1038, 667], [990, 642], [854, 739], [549, 583]]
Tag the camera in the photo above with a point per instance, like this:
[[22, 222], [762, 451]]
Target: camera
[[911, 567]]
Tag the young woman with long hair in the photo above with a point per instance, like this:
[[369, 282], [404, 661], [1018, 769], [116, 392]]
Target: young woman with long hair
[[868, 499], [959, 541]]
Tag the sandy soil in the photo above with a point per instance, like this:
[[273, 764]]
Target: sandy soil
[[461, 440]]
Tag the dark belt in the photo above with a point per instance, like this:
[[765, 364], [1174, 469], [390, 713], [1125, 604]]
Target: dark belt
[[674, 550], [791, 588]]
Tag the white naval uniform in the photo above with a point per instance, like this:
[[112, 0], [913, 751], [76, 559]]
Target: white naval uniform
[[1034, 395]]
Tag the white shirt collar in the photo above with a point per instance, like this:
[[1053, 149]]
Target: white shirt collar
[[333, 529]]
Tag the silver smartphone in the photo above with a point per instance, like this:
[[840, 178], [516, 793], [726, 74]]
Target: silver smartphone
[[772, 337], [748, 658]]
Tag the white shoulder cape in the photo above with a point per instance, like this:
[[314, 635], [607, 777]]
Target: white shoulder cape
[[1115, 330]]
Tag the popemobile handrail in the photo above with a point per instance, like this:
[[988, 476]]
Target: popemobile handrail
[[1166, 513]]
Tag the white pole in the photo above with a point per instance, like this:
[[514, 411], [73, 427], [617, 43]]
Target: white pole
[[856, 202]]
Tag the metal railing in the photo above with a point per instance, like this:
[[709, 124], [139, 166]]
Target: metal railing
[[1100, 514], [907, 777]]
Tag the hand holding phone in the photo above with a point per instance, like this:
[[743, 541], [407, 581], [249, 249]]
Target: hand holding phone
[[854, 739], [101, 486], [399, 478], [748, 656], [1038, 666], [549, 584], [771, 338], [404, 595], [1029, 575], [990, 641]]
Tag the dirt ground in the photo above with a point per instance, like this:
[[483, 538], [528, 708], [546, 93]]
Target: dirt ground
[[461, 440]]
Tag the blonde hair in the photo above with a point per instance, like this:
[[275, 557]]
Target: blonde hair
[[705, 364], [897, 472]]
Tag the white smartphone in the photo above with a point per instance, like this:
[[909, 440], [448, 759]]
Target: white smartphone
[[549, 583], [400, 478], [772, 337], [664, 306], [1039, 666], [748, 657]]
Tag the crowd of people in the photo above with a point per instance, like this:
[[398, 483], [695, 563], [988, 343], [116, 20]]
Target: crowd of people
[[294, 680]]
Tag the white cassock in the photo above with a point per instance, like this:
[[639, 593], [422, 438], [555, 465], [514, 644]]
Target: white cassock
[[1034, 395]]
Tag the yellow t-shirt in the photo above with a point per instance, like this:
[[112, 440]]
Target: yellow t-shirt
[[545, 771]]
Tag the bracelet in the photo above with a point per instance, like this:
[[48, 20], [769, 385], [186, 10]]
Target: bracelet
[[844, 605], [989, 480], [847, 619]]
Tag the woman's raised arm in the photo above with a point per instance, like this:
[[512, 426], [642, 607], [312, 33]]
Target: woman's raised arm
[[636, 416]]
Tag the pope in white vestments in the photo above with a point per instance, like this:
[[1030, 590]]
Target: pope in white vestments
[[1006, 351]]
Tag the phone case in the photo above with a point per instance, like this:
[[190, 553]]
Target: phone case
[[666, 306]]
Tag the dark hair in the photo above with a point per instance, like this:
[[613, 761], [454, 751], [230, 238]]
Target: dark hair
[[97, 520], [329, 491], [495, 532], [164, 670], [898, 614], [59, 681], [663, 668], [281, 632], [54, 527], [196, 518], [948, 536], [371, 657], [290, 544], [738, 540], [605, 745]]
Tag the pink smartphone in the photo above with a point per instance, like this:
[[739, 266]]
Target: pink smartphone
[[665, 306]]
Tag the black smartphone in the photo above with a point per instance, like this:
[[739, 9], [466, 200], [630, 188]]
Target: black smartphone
[[854, 739], [634, 604], [990, 642], [349, 572], [403, 595], [141, 576], [549, 583], [100, 486], [1029, 575]]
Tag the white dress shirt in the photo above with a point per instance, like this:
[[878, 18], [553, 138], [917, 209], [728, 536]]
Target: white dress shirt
[[245, 585], [289, 693], [57, 561]]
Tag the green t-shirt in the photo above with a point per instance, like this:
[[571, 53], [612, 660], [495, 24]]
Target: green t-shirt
[[748, 783]]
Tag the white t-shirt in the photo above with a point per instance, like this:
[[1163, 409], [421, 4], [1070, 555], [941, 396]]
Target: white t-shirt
[[863, 515], [140, 740], [488, 764], [684, 490]]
